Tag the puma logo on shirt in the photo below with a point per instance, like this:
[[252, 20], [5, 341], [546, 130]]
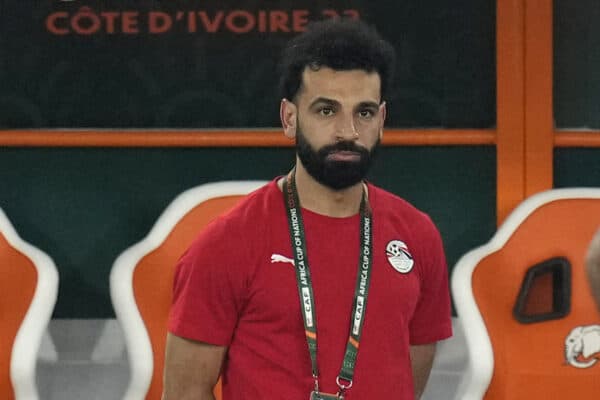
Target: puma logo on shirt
[[282, 259]]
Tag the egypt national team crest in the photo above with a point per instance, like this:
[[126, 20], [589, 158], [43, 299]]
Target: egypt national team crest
[[399, 256]]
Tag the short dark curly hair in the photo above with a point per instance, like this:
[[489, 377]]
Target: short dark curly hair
[[340, 44]]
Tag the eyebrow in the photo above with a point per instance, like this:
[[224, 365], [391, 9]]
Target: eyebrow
[[368, 104], [328, 101], [324, 100]]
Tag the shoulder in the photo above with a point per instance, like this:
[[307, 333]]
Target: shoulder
[[243, 221], [397, 219], [393, 208], [401, 221], [253, 208]]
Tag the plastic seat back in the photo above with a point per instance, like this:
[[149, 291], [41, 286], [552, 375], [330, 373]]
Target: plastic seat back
[[28, 291], [531, 326]]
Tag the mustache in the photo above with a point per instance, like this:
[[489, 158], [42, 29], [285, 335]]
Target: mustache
[[345, 145]]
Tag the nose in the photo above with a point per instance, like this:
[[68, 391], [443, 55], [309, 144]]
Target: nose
[[346, 129]]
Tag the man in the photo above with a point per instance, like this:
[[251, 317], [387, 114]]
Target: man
[[318, 285], [593, 267]]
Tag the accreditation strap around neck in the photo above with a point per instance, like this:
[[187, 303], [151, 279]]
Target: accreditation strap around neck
[[305, 290]]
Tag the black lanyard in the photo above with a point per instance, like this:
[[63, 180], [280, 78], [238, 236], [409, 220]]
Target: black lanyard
[[305, 290]]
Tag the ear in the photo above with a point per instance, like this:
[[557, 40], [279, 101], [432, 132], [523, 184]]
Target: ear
[[383, 114], [288, 113]]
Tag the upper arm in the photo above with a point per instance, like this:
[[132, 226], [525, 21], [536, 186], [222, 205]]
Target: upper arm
[[421, 361], [431, 319], [191, 368]]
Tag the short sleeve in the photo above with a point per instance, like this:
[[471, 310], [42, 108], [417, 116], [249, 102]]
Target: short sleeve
[[208, 289], [432, 317]]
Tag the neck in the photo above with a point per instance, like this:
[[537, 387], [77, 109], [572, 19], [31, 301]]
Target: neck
[[323, 200]]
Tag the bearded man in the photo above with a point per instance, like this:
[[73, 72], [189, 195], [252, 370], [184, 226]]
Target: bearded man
[[357, 307]]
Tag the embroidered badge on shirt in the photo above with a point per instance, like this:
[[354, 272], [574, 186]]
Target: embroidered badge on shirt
[[399, 256]]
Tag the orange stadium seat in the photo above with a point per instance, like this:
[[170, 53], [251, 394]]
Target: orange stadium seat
[[28, 292], [531, 326], [142, 276]]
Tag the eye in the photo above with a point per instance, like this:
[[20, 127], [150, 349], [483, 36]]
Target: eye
[[326, 111], [366, 114]]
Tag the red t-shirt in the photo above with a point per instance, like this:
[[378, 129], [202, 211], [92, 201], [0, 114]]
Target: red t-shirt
[[236, 287]]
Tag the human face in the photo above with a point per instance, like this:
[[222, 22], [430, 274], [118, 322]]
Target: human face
[[337, 120]]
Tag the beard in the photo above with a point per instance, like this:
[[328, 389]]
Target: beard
[[335, 174]]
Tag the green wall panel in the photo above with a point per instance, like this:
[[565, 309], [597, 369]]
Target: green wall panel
[[576, 63], [577, 167]]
